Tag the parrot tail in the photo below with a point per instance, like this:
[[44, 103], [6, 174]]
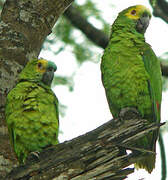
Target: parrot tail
[[147, 163]]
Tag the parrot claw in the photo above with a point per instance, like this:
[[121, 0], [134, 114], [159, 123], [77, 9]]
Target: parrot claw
[[129, 113], [33, 156]]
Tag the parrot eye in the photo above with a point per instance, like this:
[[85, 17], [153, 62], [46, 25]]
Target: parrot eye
[[133, 12], [40, 66]]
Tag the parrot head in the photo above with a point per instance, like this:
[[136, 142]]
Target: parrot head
[[134, 18], [38, 70]]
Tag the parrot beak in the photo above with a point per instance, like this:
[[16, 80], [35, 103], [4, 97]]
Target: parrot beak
[[143, 23], [48, 76]]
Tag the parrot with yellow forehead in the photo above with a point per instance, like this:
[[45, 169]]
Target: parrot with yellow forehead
[[131, 75], [32, 110]]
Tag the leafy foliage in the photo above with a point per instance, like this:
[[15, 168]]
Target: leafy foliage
[[153, 2], [64, 80], [81, 47]]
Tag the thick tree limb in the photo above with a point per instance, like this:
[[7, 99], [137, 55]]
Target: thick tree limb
[[164, 69], [160, 9], [24, 26], [95, 155], [95, 35]]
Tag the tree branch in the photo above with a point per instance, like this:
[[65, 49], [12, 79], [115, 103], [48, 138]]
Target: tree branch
[[164, 69], [95, 35], [97, 154], [160, 9]]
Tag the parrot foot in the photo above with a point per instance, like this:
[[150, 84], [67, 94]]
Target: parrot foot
[[33, 156], [128, 113]]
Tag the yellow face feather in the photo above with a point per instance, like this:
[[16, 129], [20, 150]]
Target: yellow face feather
[[136, 12], [42, 65]]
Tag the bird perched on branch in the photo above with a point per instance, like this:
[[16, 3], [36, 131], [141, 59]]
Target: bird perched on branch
[[131, 74], [32, 109]]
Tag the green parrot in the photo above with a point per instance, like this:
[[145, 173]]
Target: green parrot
[[32, 110], [131, 75]]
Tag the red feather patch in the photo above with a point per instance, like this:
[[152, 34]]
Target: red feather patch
[[157, 105]]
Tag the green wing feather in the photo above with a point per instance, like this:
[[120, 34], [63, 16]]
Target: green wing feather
[[152, 66]]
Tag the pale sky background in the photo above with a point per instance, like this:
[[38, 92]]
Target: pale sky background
[[87, 105]]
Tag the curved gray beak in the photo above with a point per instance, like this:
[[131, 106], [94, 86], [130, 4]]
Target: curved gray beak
[[142, 24], [48, 76]]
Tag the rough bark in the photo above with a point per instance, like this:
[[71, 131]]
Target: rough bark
[[24, 26], [98, 154], [95, 35], [160, 9]]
